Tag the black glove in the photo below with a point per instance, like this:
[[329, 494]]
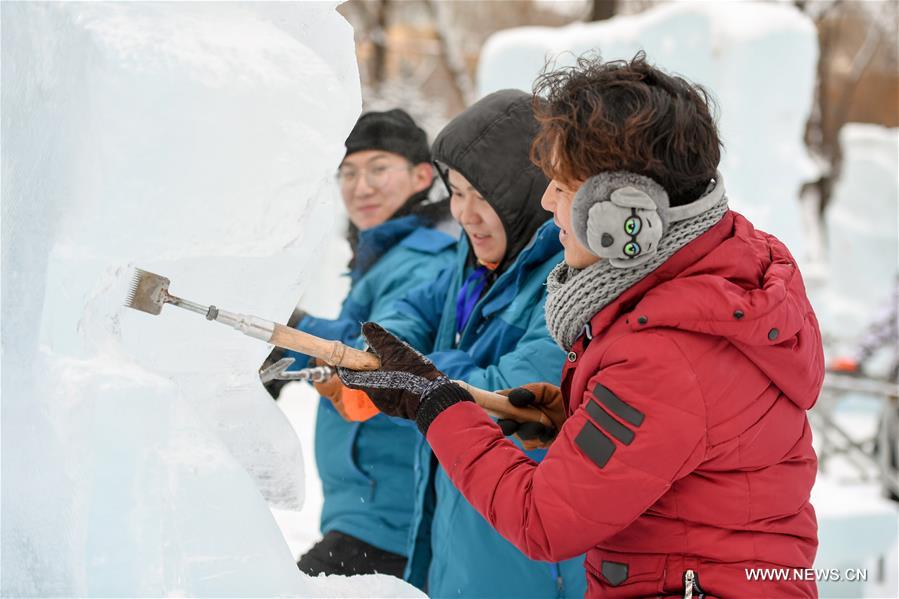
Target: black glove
[[546, 398], [533, 435], [408, 385]]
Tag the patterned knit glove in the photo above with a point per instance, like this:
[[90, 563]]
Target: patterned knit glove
[[408, 385]]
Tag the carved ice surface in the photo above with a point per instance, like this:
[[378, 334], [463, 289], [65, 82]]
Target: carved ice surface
[[197, 141]]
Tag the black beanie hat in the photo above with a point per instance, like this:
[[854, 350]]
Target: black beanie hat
[[391, 131]]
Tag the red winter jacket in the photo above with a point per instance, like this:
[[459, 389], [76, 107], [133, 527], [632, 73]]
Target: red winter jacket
[[687, 445]]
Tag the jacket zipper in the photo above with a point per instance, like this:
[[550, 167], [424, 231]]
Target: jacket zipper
[[691, 585], [556, 571]]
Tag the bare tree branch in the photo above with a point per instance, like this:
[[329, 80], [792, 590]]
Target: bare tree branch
[[600, 10], [378, 36], [450, 53], [860, 63], [834, 92]]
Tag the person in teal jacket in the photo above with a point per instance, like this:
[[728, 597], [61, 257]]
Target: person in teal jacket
[[367, 467], [482, 321]]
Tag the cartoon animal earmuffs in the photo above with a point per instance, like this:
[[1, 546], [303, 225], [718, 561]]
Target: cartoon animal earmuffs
[[623, 216]]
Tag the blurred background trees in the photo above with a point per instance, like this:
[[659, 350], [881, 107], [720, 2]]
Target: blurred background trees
[[857, 79], [423, 55]]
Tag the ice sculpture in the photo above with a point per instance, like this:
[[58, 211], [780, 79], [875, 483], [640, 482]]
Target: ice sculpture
[[862, 231], [195, 140]]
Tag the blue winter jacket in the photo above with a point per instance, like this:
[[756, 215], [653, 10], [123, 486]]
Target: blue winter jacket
[[453, 551], [366, 468]]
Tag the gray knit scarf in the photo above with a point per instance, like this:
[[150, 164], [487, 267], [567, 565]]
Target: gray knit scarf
[[574, 296]]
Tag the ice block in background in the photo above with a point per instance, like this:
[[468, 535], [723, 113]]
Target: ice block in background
[[862, 230], [757, 59], [194, 140]]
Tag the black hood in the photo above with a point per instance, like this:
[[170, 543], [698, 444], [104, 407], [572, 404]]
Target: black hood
[[489, 144]]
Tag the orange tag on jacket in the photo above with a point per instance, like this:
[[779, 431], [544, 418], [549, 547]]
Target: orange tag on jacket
[[357, 405]]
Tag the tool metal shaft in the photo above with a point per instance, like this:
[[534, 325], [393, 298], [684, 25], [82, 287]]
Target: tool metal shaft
[[149, 293], [252, 326]]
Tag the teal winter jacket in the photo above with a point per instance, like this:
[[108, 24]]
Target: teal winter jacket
[[453, 551], [367, 468]]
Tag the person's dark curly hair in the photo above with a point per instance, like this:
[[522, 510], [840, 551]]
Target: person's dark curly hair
[[625, 116]]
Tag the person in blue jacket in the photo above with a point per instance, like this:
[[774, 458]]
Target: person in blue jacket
[[367, 467], [483, 322]]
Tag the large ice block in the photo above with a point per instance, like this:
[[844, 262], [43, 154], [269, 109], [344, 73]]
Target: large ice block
[[198, 141], [862, 232]]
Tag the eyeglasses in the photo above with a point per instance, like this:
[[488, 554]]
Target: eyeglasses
[[376, 176]]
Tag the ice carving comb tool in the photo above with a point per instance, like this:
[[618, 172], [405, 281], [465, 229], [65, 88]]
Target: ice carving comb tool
[[149, 292], [278, 372]]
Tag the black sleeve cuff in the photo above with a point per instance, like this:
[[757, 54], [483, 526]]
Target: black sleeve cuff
[[438, 400]]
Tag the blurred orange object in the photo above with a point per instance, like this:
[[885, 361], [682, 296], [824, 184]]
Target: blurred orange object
[[843, 364], [357, 406], [354, 405]]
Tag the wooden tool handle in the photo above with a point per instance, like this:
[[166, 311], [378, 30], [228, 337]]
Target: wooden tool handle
[[498, 405], [338, 354], [334, 353]]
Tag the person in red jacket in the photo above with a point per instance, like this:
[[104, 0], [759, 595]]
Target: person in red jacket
[[682, 461]]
